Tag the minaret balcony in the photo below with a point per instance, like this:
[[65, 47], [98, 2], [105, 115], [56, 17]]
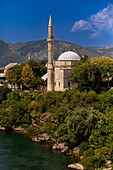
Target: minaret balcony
[[50, 39]]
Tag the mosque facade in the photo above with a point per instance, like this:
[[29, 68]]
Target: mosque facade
[[58, 72]]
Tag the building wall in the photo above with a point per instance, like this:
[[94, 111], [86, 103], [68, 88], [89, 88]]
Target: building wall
[[62, 72], [58, 79], [65, 63]]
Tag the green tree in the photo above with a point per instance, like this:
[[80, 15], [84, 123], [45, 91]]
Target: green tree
[[1, 70], [106, 67], [13, 74], [78, 124], [86, 73], [38, 68], [93, 73], [5, 118], [102, 135], [28, 78], [13, 97], [19, 114], [3, 93], [80, 73]]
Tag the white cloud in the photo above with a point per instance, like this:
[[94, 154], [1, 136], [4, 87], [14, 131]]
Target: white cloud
[[81, 25], [94, 35], [101, 21]]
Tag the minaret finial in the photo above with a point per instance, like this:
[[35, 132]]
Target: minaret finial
[[50, 20]]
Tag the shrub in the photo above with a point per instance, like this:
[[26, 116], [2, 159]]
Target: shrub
[[89, 152], [83, 147], [96, 161], [3, 93], [5, 118], [102, 135], [79, 124]]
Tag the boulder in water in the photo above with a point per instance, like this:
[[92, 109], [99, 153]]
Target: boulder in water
[[76, 166]]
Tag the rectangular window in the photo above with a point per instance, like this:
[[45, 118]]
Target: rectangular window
[[68, 83], [59, 83]]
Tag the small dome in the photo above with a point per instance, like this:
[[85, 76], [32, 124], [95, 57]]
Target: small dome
[[69, 55]]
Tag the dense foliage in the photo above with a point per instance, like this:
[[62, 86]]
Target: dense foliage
[[1, 70], [29, 75], [38, 68], [13, 74], [77, 117], [93, 74]]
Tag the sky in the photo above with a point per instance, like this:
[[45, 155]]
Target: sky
[[83, 22]]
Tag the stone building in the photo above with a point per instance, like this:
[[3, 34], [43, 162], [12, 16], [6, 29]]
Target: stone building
[[58, 72], [2, 79], [3, 76], [63, 67]]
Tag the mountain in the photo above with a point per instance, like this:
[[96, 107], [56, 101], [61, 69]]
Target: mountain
[[7, 55], [19, 52], [102, 51]]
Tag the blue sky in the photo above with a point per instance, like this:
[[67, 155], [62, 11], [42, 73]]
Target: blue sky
[[83, 22]]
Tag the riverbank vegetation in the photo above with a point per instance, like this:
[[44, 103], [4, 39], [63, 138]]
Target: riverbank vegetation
[[81, 117], [76, 117]]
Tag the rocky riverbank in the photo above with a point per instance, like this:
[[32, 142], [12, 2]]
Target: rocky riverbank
[[63, 147]]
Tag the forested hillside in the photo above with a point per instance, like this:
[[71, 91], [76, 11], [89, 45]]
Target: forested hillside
[[20, 52]]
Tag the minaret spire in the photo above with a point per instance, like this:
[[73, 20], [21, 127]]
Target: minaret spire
[[50, 68], [50, 20]]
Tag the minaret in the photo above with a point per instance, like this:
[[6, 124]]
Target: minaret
[[50, 67], [29, 56]]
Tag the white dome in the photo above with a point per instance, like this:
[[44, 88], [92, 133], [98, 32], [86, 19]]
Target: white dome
[[69, 55]]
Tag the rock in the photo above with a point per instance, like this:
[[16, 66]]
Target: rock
[[19, 128], [2, 128], [61, 146], [44, 137], [35, 139], [55, 146], [76, 166], [58, 146], [74, 152], [41, 138], [65, 149], [81, 157], [44, 117], [108, 162]]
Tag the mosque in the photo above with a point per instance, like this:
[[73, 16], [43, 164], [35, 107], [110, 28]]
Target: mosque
[[58, 72]]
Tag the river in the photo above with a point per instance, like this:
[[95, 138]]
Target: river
[[18, 152]]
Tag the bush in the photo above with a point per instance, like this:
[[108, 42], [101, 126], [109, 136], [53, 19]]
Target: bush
[[13, 97], [79, 124], [96, 161], [102, 135], [83, 147], [5, 118], [106, 99], [3, 93], [89, 152], [30, 128], [82, 99]]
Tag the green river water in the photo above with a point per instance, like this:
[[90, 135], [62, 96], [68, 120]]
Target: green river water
[[18, 152]]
